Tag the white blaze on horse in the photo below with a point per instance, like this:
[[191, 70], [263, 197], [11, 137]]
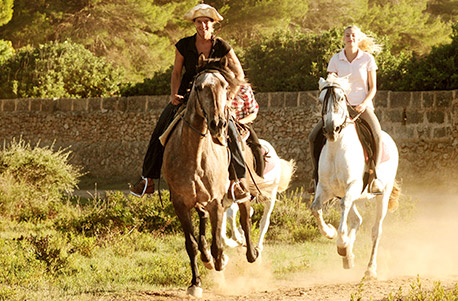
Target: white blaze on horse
[[342, 166], [277, 176]]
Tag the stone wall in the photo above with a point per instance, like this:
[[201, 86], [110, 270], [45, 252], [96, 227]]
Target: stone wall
[[108, 137]]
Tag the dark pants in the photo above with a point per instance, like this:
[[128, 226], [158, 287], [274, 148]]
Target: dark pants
[[153, 158], [237, 168]]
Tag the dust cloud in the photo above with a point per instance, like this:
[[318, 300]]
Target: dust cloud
[[424, 243]]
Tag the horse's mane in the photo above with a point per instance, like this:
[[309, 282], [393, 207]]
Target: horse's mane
[[334, 80], [220, 66]]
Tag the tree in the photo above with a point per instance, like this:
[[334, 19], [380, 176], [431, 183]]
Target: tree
[[6, 11], [135, 34]]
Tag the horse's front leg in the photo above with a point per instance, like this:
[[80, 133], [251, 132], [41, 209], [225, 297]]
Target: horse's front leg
[[245, 221], [382, 208], [216, 211], [191, 248], [321, 197], [355, 221], [205, 255]]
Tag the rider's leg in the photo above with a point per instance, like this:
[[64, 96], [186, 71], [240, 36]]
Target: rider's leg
[[369, 116], [316, 143], [236, 189], [152, 162]]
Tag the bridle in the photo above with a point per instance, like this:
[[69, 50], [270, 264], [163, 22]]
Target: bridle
[[199, 102], [330, 91]]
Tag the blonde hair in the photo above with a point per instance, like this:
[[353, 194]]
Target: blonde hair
[[366, 43]]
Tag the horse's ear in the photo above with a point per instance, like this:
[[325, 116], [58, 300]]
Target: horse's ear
[[321, 83]]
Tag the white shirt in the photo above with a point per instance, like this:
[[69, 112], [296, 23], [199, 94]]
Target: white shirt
[[357, 71]]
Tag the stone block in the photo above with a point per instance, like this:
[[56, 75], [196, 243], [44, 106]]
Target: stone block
[[428, 99], [48, 105], [414, 117], [136, 104], [416, 100], [394, 116], [22, 104], [381, 99], [262, 99], [80, 104], [444, 99], [405, 132], [435, 117], [277, 99], [400, 99], [291, 99], [442, 132], [35, 105], [308, 98], [64, 104], [157, 102], [9, 105], [423, 132], [94, 104]]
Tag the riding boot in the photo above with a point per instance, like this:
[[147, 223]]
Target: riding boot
[[142, 187]]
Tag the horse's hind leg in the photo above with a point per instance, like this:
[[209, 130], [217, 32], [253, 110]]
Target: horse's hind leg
[[382, 208], [265, 220], [205, 255], [245, 222], [191, 247], [216, 211]]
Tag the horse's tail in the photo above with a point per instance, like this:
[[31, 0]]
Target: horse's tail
[[393, 202], [288, 168]]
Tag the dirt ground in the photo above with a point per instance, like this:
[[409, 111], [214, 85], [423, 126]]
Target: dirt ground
[[427, 247]]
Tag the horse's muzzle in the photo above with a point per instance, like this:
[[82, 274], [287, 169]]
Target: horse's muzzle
[[216, 127]]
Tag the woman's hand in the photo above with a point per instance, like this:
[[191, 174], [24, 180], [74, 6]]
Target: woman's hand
[[361, 107], [176, 99]]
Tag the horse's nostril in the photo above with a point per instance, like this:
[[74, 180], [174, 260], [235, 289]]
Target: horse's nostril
[[212, 125]]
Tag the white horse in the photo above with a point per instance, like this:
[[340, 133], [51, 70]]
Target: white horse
[[277, 175], [341, 169]]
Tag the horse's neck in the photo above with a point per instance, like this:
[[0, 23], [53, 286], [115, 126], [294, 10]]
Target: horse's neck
[[347, 140]]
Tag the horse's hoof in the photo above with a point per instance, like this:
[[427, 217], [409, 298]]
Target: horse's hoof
[[224, 261], [348, 262], [330, 232], [371, 274], [209, 265], [195, 291], [342, 251]]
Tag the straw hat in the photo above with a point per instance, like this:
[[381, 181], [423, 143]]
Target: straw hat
[[203, 10]]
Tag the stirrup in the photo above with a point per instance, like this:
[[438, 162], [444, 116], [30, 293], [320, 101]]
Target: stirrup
[[379, 187]]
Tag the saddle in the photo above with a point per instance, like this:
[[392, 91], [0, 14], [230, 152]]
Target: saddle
[[248, 135]]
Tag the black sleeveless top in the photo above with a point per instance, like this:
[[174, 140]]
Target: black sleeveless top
[[187, 48]]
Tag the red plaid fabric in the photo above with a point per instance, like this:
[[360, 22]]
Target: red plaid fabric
[[244, 103]]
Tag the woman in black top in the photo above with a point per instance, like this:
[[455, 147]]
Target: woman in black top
[[186, 56]]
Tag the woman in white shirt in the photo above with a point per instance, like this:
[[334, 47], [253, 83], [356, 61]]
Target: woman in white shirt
[[356, 62]]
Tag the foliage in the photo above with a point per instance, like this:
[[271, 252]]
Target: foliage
[[417, 292], [133, 34], [6, 11], [6, 51], [33, 180], [436, 71], [58, 70], [159, 84]]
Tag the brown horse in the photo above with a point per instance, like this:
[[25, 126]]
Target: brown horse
[[195, 167]]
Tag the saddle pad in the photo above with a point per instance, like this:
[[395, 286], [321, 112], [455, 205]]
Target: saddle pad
[[269, 163], [168, 131]]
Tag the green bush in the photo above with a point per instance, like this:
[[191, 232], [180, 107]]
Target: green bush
[[117, 213], [33, 180], [6, 51], [159, 84], [56, 70]]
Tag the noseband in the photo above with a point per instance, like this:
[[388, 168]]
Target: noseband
[[330, 91]]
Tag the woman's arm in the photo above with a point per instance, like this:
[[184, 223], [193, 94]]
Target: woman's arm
[[235, 65], [248, 118], [176, 78], [372, 83]]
